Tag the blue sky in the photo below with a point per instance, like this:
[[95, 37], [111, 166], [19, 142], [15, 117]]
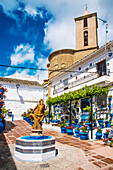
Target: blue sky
[[30, 30]]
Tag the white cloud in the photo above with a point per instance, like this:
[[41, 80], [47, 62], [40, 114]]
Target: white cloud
[[24, 75], [42, 63], [22, 53], [61, 33], [31, 11]]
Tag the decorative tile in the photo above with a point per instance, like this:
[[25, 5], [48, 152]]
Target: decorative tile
[[34, 150], [48, 149]]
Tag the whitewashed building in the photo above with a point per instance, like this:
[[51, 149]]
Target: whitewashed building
[[22, 94], [89, 64]]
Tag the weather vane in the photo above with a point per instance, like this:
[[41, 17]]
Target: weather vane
[[86, 6]]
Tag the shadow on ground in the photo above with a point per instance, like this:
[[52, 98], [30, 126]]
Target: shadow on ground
[[6, 160]]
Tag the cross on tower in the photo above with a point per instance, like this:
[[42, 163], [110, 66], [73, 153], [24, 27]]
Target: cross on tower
[[86, 6]]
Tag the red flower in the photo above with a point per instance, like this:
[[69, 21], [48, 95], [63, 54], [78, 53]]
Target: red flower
[[2, 88], [69, 127]]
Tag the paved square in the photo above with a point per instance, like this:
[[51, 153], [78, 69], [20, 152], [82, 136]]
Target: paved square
[[73, 153]]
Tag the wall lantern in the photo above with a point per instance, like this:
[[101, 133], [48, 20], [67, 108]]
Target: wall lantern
[[70, 75], [17, 86]]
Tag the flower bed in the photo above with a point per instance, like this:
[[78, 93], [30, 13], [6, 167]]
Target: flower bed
[[3, 110], [27, 117]]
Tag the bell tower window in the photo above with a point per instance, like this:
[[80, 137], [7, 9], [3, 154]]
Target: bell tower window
[[85, 22], [85, 38]]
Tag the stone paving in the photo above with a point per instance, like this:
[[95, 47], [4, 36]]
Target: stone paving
[[73, 153]]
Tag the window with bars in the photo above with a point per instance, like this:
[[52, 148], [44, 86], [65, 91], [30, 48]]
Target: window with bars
[[101, 68]]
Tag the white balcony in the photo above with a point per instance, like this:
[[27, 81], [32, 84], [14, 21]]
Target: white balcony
[[90, 79]]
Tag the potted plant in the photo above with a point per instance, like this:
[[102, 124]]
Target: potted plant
[[108, 123], [63, 127], [105, 140], [1, 124], [99, 134], [24, 116], [105, 135], [77, 130], [4, 112], [84, 132], [111, 143], [73, 123], [109, 97], [102, 125], [100, 120], [70, 130]]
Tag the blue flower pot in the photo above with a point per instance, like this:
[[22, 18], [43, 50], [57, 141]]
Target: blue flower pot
[[27, 119], [76, 135], [100, 121], [98, 135], [31, 123], [73, 125], [69, 131], [76, 131], [1, 126], [24, 118], [84, 136], [109, 98], [2, 91], [105, 135], [56, 121], [4, 125], [102, 126], [108, 124], [63, 130]]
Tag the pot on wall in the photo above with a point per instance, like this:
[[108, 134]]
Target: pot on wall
[[1, 126], [98, 135], [84, 136], [69, 131], [63, 130]]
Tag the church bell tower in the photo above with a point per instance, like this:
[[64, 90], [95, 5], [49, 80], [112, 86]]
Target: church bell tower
[[86, 31]]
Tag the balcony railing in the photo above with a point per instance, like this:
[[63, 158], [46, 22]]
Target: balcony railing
[[77, 82]]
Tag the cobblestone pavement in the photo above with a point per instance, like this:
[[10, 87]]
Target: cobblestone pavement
[[73, 153]]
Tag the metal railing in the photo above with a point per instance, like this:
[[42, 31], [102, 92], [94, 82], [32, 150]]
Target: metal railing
[[77, 82]]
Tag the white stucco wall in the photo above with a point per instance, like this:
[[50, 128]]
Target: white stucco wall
[[91, 69], [18, 101], [81, 81]]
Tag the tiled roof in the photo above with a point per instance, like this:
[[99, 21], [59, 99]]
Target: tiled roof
[[25, 82]]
